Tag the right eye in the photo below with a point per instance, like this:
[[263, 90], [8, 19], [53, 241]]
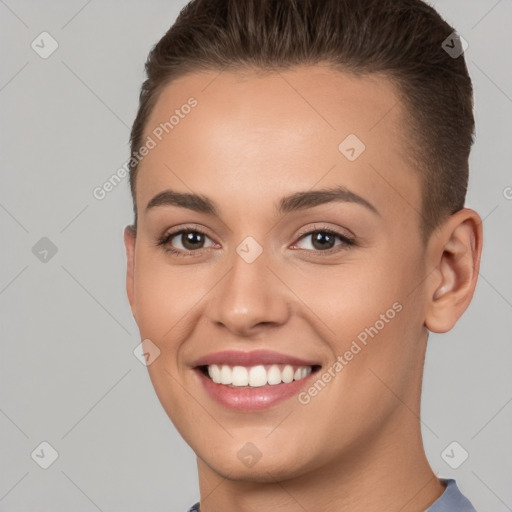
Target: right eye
[[191, 240]]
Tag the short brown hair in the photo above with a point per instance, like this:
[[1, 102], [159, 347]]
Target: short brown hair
[[401, 39]]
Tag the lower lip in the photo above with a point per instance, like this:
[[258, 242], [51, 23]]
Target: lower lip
[[249, 399]]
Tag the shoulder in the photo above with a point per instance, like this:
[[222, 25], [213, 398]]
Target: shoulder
[[452, 500]]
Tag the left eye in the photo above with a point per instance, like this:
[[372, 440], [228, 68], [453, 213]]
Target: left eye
[[324, 240]]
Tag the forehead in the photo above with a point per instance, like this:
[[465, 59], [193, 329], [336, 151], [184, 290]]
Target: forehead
[[254, 135]]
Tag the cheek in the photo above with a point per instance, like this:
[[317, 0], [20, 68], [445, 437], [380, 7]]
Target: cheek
[[379, 326], [164, 294], [364, 311], [351, 296]]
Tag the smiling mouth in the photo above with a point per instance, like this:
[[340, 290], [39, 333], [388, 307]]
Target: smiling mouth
[[256, 376]]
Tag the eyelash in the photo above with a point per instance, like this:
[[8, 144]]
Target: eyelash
[[166, 238]]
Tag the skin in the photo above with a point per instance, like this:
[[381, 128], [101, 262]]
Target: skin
[[252, 139]]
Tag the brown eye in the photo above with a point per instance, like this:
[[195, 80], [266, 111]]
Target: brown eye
[[191, 240], [185, 241], [324, 240]]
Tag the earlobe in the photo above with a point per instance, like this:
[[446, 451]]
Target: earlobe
[[456, 259], [129, 244]]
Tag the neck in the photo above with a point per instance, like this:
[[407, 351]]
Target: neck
[[390, 474]]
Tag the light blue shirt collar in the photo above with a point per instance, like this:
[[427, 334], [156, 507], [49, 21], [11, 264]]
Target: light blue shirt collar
[[452, 500]]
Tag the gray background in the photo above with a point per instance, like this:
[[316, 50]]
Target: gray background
[[68, 373]]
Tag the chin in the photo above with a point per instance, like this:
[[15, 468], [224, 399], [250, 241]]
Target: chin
[[257, 461], [261, 472]]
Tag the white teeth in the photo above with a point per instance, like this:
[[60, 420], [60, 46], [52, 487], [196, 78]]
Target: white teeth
[[287, 373], [215, 373], [274, 375], [240, 376], [256, 376], [225, 374]]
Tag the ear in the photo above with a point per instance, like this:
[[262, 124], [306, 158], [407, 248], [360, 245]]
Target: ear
[[455, 254], [129, 244]]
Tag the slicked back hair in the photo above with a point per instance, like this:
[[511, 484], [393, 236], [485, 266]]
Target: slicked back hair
[[398, 39]]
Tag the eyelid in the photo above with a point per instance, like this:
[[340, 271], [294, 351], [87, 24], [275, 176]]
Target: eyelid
[[347, 241], [194, 228], [163, 241], [325, 227]]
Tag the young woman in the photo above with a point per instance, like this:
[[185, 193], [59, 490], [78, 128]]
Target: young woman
[[299, 171]]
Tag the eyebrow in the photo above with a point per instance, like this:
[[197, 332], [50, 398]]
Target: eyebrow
[[294, 202]]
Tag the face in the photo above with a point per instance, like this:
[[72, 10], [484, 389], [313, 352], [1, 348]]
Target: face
[[276, 252]]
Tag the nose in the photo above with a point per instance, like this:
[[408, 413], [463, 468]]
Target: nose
[[249, 299]]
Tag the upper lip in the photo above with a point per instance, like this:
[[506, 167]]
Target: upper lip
[[253, 358]]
